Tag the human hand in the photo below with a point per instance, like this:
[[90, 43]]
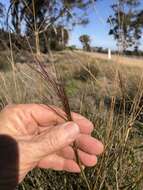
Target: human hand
[[44, 139]]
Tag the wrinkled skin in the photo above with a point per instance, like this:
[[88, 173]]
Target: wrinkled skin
[[44, 139]]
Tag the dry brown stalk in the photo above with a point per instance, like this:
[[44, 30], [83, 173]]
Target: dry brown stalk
[[56, 83]]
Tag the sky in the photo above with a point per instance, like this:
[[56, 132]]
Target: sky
[[97, 29]]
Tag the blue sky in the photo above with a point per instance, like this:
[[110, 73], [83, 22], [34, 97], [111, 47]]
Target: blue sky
[[97, 28]]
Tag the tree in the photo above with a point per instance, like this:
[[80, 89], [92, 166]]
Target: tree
[[139, 20], [39, 16], [124, 24], [44, 14], [85, 40], [58, 37], [55, 38], [2, 11], [15, 12], [47, 12]]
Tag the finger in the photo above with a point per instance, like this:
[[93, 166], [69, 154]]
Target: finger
[[86, 126], [56, 139], [86, 159], [50, 115], [89, 144], [58, 114], [59, 163], [42, 114]]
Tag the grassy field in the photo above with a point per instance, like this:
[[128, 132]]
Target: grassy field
[[108, 92], [133, 61]]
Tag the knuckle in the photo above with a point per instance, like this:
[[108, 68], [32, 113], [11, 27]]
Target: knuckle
[[56, 139], [53, 142]]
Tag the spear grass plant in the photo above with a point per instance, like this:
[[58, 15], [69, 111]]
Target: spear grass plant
[[57, 84], [120, 167]]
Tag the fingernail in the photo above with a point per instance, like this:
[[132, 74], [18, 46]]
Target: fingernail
[[72, 130]]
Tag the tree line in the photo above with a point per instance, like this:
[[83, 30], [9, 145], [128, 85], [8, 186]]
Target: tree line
[[126, 26], [47, 22]]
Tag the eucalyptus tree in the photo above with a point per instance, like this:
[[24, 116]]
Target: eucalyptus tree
[[85, 40], [2, 14], [38, 16], [15, 8], [124, 24]]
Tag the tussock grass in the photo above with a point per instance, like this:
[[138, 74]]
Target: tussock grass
[[110, 94]]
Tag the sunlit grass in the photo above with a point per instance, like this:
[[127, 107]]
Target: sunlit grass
[[108, 94]]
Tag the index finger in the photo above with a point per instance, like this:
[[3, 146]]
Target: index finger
[[51, 115]]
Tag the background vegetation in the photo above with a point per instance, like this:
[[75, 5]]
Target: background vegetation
[[108, 92]]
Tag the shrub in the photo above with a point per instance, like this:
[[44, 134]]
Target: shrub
[[86, 72]]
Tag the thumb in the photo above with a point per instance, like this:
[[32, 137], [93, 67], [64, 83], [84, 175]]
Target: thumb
[[58, 138]]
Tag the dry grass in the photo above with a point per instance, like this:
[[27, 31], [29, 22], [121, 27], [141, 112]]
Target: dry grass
[[110, 94], [126, 60]]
